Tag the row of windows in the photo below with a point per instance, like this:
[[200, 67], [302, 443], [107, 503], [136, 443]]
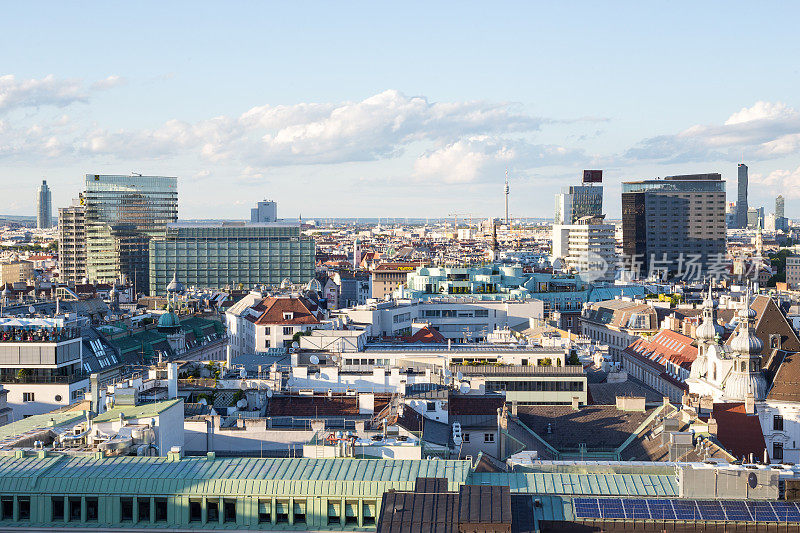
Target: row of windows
[[209, 511], [533, 385]]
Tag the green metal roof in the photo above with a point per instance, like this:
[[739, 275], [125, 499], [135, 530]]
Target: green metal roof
[[229, 476], [136, 411], [41, 422], [598, 484]]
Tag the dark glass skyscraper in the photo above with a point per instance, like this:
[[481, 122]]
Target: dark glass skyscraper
[[122, 214], [741, 197], [674, 220]]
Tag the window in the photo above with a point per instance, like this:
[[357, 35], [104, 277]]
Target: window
[[777, 451], [74, 509], [369, 514], [299, 512], [195, 511], [465, 437], [351, 513], [58, 397], [229, 510], [161, 509], [212, 509], [288, 330], [266, 343], [264, 511], [334, 513], [777, 423], [488, 437], [282, 512], [430, 406], [126, 508], [57, 508], [144, 510], [266, 331], [7, 508], [91, 509], [24, 505], [27, 397]]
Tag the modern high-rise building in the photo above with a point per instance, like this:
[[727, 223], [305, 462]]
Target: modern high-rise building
[[44, 207], [666, 223], [741, 197], [72, 242], [122, 214], [781, 222], [266, 211], [229, 254], [580, 236], [755, 217], [578, 201]]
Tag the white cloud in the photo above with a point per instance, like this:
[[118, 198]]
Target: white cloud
[[785, 182], [763, 131], [109, 83], [47, 91], [379, 127]]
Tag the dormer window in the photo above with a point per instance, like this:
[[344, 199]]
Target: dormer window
[[288, 315]]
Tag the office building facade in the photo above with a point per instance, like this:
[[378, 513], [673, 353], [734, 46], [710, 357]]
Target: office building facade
[[122, 214], [266, 211], [781, 222], [578, 201], [229, 254], [44, 207], [72, 243], [667, 223], [741, 197]]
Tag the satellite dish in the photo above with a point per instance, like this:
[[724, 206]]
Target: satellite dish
[[752, 480], [464, 387], [31, 309], [269, 393], [295, 345], [243, 373], [314, 360], [448, 374], [459, 376], [334, 358], [202, 401]]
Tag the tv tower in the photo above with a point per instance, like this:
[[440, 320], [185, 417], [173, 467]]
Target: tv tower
[[505, 190]]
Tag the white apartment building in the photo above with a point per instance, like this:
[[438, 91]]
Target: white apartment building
[[457, 319], [586, 247]]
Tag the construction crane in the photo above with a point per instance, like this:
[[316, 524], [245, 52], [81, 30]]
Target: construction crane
[[463, 215]]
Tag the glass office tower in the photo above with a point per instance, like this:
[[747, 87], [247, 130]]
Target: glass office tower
[[122, 214], [214, 256]]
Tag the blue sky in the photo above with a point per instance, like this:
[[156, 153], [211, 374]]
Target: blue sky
[[396, 110]]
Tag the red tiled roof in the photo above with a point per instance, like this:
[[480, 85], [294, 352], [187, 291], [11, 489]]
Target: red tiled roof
[[738, 432], [666, 345], [274, 308], [427, 335]]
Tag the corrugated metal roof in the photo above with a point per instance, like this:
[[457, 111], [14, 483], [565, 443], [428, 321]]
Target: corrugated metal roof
[[602, 484], [136, 411], [229, 476]]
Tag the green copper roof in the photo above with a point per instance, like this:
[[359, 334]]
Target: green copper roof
[[136, 411], [229, 476], [600, 484]]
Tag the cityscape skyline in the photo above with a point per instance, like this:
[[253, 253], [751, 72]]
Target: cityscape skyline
[[408, 122]]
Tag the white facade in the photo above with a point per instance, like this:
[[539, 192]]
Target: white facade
[[586, 248], [26, 399], [780, 424]]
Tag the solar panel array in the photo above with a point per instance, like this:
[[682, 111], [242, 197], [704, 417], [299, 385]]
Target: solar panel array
[[673, 509]]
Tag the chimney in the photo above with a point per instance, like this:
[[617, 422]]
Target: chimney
[[749, 404], [94, 385], [665, 401], [576, 403], [713, 427], [514, 408]]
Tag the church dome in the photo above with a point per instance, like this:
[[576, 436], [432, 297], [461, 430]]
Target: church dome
[[708, 330], [745, 342], [169, 320], [699, 367]]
